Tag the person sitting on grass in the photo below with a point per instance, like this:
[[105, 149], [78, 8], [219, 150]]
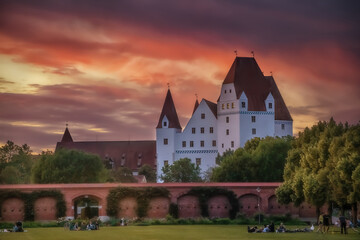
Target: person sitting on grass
[[18, 227], [252, 229], [266, 229], [272, 227], [281, 228]]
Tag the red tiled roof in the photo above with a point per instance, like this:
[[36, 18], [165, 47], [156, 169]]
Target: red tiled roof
[[123, 153], [212, 106], [247, 77], [281, 111], [196, 105], [67, 136], [169, 111]]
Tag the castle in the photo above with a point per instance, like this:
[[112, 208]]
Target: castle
[[250, 105]]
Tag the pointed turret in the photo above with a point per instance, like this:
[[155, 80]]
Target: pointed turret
[[67, 136], [196, 105], [169, 112]]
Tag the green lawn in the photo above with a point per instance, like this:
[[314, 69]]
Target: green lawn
[[209, 232]]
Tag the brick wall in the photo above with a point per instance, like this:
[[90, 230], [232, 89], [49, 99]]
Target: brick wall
[[12, 210]]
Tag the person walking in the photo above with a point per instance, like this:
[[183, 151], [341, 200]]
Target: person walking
[[342, 220]]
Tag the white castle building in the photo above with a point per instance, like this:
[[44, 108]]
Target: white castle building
[[250, 105]]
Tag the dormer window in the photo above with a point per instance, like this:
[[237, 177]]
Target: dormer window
[[123, 158], [165, 124], [270, 105], [243, 104], [139, 159], [203, 116]]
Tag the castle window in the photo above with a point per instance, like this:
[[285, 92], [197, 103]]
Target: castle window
[[225, 91], [183, 143], [227, 119], [202, 143], [139, 159], [253, 131], [166, 141], [227, 131], [193, 131], [223, 106], [198, 161], [214, 143], [243, 104], [230, 90], [123, 159], [202, 130], [253, 118], [165, 124], [166, 162], [232, 144], [222, 145], [282, 126], [203, 116], [232, 105], [270, 105], [227, 105], [211, 130], [191, 143]]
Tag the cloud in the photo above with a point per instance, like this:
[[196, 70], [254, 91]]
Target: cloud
[[105, 65]]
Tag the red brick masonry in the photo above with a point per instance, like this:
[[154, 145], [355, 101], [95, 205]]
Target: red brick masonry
[[249, 198]]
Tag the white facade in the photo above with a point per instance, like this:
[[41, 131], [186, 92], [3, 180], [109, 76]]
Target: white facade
[[229, 124]]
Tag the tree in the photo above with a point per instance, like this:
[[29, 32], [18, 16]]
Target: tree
[[123, 174], [15, 163], [321, 167], [259, 160], [182, 170], [68, 166], [148, 172]]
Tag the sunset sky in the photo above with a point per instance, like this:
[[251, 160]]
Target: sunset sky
[[104, 66]]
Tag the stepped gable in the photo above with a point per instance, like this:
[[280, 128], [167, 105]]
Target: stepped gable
[[196, 106], [212, 106], [281, 111], [67, 136], [169, 111], [247, 77], [130, 154]]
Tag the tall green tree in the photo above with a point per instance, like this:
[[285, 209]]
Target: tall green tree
[[68, 166], [182, 170], [259, 160], [321, 167], [15, 163]]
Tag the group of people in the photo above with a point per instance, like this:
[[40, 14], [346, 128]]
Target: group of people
[[267, 228], [281, 229], [75, 226], [18, 227]]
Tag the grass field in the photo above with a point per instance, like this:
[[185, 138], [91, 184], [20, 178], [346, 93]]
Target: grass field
[[182, 232]]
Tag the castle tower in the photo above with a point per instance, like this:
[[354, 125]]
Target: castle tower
[[247, 107], [166, 130]]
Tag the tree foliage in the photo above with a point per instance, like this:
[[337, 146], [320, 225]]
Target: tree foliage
[[15, 163], [148, 172], [259, 160], [182, 170], [68, 166], [322, 166], [123, 175]]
